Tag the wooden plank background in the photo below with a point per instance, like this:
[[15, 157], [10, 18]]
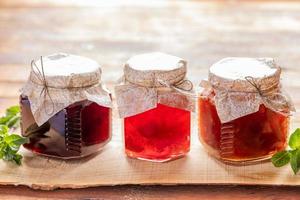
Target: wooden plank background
[[110, 32], [200, 31]]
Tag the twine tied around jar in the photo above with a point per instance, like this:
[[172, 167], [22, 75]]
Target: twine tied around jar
[[276, 101], [232, 104], [40, 74], [183, 86], [136, 96], [59, 80], [179, 86]]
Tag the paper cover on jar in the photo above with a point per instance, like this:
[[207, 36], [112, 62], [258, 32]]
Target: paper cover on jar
[[241, 85], [154, 78], [59, 80]]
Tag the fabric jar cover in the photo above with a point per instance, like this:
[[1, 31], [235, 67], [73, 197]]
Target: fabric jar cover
[[59, 80], [154, 78], [241, 85]]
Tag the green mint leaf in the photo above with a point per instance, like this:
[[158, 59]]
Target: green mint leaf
[[8, 153], [5, 119], [2, 146], [11, 155], [12, 117], [17, 158], [14, 122], [281, 158], [295, 160], [3, 131], [294, 141], [13, 110], [15, 141], [10, 143]]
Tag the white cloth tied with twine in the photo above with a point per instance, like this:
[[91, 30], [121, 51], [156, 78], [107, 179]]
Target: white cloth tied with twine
[[144, 86], [59, 80], [235, 98]]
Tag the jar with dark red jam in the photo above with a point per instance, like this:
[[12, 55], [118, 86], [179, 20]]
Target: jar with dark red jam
[[243, 114], [65, 111], [155, 102]]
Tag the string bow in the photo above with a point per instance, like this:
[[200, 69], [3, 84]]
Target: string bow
[[40, 74], [272, 98]]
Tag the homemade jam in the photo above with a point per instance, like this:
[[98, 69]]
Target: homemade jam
[[248, 137], [80, 127], [256, 135], [78, 130], [156, 110], [158, 134]]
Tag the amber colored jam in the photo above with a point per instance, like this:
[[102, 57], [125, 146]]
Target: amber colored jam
[[160, 134], [77, 131], [253, 137]]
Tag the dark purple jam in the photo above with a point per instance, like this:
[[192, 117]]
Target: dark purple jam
[[80, 129]]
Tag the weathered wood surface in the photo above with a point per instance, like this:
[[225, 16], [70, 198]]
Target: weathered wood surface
[[200, 31], [203, 192]]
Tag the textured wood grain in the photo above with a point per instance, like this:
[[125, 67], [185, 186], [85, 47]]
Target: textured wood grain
[[203, 192], [201, 32]]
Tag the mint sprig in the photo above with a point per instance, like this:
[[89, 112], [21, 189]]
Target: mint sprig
[[292, 155], [11, 118], [10, 143]]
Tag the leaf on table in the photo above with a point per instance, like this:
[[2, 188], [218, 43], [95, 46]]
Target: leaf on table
[[9, 146], [15, 141], [10, 143], [294, 141], [13, 110], [17, 158], [295, 160], [12, 117], [3, 131], [14, 122], [281, 158]]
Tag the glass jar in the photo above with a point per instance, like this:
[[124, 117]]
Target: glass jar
[[156, 108], [65, 112], [243, 114]]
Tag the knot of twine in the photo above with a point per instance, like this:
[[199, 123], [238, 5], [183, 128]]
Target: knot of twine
[[270, 97], [40, 74], [177, 86], [276, 101]]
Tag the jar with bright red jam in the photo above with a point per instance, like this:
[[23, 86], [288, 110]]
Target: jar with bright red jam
[[252, 137], [158, 134], [79, 129], [157, 120]]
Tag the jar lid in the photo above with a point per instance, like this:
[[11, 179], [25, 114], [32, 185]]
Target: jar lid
[[66, 71], [154, 78], [59, 80], [241, 85], [234, 73], [153, 69]]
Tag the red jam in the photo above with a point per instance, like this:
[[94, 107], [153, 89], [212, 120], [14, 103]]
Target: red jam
[[79, 130], [160, 134], [252, 137]]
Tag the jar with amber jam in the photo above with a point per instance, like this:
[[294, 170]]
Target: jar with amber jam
[[243, 113], [65, 110], [155, 104]]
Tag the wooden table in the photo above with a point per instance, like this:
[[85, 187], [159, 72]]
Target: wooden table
[[157, 192], [110, 32]]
